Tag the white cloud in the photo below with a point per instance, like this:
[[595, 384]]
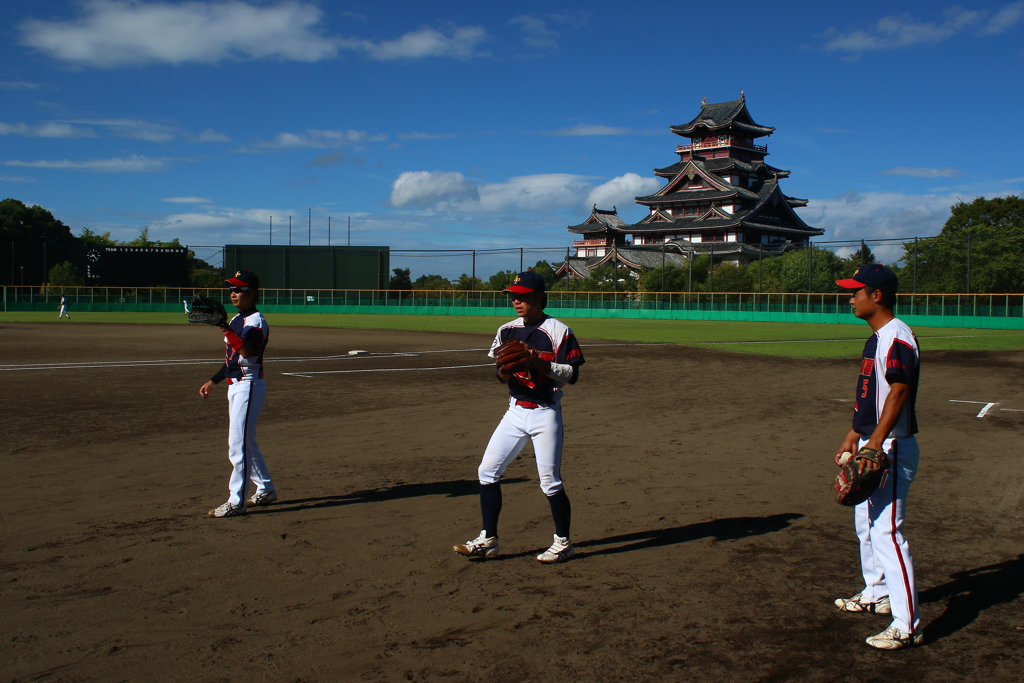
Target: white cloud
[[425, 136], [46, 130], [133, 164], [424, 42], [210, 135], [134, 128], [587, 129], [902, 30], [16, 179], [622, 190], [1004, 19], [19, 85], [944, 172], [113, 33], [318, 139], [421, 189], [878, 215], [451, 192], [186, 200], [536, 34]]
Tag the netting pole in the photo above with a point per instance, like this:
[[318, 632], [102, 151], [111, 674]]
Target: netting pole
[[271, 230], [520, 259], [968, 263], [472, 278], [711, 270]]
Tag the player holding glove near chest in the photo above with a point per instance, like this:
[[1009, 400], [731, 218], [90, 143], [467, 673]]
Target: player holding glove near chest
[[884, 420], [245, 340], [536, 355]]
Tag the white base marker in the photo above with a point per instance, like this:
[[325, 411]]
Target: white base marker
[[983, 412]]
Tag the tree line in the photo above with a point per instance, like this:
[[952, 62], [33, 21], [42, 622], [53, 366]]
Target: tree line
[[35, 225], [979, 250]]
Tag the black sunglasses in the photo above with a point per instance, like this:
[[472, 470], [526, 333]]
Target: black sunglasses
[[239, 290]]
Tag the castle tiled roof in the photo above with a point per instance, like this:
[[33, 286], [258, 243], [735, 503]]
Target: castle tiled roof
[[600, 220], [721, 115]]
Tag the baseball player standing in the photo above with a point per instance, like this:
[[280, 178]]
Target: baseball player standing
[[63, 308], [884, 419], [245, 340], [534, 414]]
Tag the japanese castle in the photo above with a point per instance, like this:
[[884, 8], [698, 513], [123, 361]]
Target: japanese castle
[[720, 198]]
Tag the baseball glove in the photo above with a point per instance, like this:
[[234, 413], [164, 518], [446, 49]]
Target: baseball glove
[[206, 311], [853, 487], [513, 356]]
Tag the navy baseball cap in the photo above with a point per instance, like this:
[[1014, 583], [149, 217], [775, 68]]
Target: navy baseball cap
[[244, 278], [872, 275], [526, 282]]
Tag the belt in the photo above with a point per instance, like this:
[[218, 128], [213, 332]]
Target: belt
[[531, 405]]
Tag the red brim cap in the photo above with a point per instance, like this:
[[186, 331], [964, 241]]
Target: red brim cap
[[518, 289], [850, 283], [235, 282]]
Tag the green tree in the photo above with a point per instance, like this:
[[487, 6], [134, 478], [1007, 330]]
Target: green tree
[[731, 276], [65, 274], [675, 279], [21, 223], [466, 282], [544, 269], [501, 280], [996, 260], [87, 236], [400, 279], [431, 282], [795, 270]]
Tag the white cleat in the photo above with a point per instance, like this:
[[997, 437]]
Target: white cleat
[[560, 551], [893, 639], [481, 546], [227, 510], [261, 498], [855, 604]]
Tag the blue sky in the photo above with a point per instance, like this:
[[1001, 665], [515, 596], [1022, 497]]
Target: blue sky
[[484, 125]]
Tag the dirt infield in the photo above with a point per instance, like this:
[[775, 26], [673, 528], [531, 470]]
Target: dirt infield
[[709, 544]]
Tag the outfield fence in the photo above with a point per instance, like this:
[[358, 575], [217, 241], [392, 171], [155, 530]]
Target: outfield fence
[[1000, 311]]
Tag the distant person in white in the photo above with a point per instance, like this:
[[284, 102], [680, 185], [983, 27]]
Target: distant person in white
[[184, 302], [63, 308]]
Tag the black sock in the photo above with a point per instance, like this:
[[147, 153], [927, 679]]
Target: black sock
[[490, 507], [561, 512]]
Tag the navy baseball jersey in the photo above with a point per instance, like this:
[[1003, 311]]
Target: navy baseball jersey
[[251, 326], [890, 355], [555, 342]]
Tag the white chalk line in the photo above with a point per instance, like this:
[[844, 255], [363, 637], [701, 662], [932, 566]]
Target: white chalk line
[[814, 341], [338, 372], [289, 359], [988, 406]]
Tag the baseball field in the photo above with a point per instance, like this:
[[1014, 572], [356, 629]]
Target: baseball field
[[698, 457]]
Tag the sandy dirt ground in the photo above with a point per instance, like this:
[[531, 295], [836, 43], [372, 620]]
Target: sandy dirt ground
[[709, 546]]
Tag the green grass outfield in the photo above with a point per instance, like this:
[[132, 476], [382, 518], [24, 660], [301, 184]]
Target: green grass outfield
[[803, 340]]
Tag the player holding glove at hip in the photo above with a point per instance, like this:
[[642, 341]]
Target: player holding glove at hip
[[882, 437], [245, 339], [535, 355]]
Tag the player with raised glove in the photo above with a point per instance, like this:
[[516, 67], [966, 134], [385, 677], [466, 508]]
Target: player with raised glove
[[245, 340], [206, 311]]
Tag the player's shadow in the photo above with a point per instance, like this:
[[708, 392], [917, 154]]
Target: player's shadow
[[452, 489], [971, 592], [728, 529]]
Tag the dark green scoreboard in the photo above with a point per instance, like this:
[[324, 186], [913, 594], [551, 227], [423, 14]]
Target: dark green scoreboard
[[136, 266], [295, 267]]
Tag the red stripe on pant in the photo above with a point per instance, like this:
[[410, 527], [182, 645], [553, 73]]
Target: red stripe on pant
[[895, 541]]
